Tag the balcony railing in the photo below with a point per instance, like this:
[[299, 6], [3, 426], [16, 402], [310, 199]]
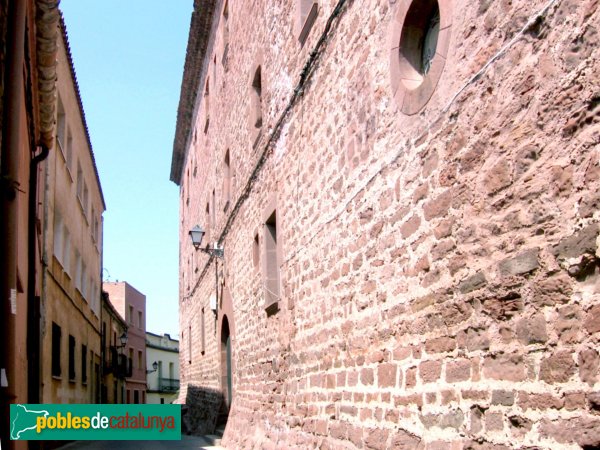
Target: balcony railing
[[168, 384], [117, 364]]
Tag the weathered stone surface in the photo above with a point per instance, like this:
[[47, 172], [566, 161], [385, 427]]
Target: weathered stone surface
[[386, 375], [458, 371], [553, 290], [592, 320], [557, 368], [500, 397], [376, 438], [589, 362], [583, 431], [504, 366], [523, 263], [430, 371], [472, 283], [437, 207], [532, 330], [402, 440], [421, 258], [580, 242]]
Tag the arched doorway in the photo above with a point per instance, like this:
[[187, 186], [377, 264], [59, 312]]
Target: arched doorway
[[226, 371]]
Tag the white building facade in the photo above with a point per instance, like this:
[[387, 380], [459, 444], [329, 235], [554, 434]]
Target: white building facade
[[163, 377]]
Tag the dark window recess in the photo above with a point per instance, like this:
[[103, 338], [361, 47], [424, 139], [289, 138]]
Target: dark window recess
[[56, 338], [71, 358], [203, 342], [207, 105], [225, 34], [308, 15], [208, 229], [271, 262], [226, 180], [256, 252], [257, 118], [84, 364], [430, 40], [190, 344]]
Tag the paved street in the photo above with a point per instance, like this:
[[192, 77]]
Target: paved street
[[192, 442]]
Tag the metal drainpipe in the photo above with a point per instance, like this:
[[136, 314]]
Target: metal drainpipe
[[33, 300], [9, 171]]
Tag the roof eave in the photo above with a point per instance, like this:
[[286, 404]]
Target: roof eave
[[198, 39]]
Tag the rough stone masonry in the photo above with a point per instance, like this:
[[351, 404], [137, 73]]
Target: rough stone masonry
[[436, 282]]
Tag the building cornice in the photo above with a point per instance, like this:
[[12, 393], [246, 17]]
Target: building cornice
[[63, 28], [160, 347], [198, 40], [46, 21]]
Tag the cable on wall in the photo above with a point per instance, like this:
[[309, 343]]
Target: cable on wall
[[305, 76]]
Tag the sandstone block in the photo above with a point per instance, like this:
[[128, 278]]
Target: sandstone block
[[437, 207], [386, 375], [430, 371], [589, 362], [592, 320], [532, 330], [521, 264], [472, 283], [459, 370], [504, 366], [557, 368], [501, 397]]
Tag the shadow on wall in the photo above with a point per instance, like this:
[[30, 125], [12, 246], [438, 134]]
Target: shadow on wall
[[201, 410]]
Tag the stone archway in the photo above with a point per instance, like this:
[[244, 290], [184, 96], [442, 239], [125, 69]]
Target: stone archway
[[226, 367]]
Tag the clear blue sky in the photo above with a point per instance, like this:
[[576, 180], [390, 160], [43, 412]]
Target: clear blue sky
[[129, 56]]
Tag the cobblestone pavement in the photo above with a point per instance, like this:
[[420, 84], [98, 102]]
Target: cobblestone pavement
[[209, 442]]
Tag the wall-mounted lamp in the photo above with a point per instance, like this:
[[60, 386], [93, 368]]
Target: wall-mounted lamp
[[123, 338], [154, 367], [196, 235]]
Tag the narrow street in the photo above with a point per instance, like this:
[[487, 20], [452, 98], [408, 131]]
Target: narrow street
[[207, 442]]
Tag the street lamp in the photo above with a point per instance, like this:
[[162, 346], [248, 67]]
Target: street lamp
[[123, 340], [154, 367], [196, 235]]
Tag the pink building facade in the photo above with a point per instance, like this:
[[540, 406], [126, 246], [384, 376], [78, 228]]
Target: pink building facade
[[407, 194], [131, 304]]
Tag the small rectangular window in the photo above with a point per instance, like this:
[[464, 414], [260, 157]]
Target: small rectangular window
[[66, 252], [306, 16], [77, 270], [271, 268], [256, 252], [202, 341], [140, 319], [131, 314], [84, 364], [56, 338], [207, 104], [225, 33], [140, 365], [69, 151], [190, 344], [226, 180], [83, 282], [58, 236], [71, 358], [79, 183], [85, 199], [61, 124]]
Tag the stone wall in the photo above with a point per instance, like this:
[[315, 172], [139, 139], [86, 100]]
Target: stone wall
[[439, 271]]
